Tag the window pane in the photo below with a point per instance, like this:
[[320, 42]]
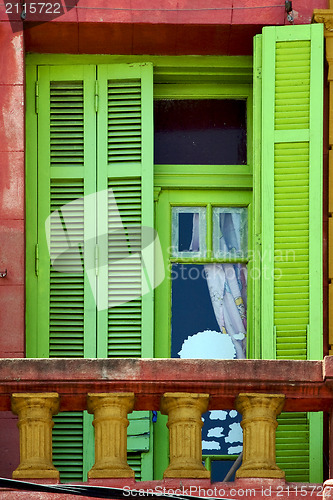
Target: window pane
[[220, 468], [200, 131], [230, 232], [208, 318], [222, 434], [208, 321], [188, 231]]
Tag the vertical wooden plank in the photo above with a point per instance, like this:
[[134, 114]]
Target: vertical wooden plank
[[44, 173], [315, 337], [146, 71], [90, 340], [315, 446], [330, 175], [255, 338], [330, 319], [31, 214], [330, 247], [102, 211], [267, 186]]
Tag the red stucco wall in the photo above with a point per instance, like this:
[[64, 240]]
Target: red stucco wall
[[11, 221], [11, 192]]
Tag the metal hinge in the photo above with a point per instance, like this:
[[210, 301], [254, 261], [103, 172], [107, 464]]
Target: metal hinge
[[96, 259], [36, 97], [96, 96], [36, 259]]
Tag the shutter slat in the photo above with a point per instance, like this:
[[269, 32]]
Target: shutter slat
[[66, 118], [70, 310], [125, 274], [68, 445], [66, 317], [124, 107]]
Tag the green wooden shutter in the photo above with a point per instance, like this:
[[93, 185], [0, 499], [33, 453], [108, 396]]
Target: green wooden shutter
[[67, 322], [66, 172], [125, 159], [291, 187]]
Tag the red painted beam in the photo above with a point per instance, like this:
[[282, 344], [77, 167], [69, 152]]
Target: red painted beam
[[306, 386], [182, 12]]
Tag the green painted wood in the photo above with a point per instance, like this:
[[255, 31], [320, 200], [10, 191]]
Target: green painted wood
[[255, 264], [116, 155], [67, 433], [64, 121], [167, 199], [222, 69], [65, 322], [126, 169], [31, 214], [67, 171], [291, 304]]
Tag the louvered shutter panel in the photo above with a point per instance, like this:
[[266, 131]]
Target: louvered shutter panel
[[291, 187], [66, 173], [125, 218], [125, 159]]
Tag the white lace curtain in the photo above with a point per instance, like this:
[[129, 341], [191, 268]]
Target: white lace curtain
[[227, 283]]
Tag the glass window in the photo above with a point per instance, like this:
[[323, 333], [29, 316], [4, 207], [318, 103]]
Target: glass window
[[188, 231], [230, 232], [200, 132], [208, 311]]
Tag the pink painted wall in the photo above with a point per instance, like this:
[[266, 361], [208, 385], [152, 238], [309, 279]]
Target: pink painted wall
[[11, 191], [11, 221]]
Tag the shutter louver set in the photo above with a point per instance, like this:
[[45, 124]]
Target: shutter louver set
[[292, 446], [291, 200], [124, 121], [125, 125], [64, 179], [291, 187], [66, 289], [124, 276], [68, 171], [68, 445], [291, 232], [134, 460]]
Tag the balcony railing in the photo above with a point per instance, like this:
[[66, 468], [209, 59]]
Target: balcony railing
[[37, 389]]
